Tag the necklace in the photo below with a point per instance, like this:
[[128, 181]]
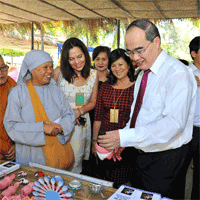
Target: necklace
[[118, 97], [77, 75], [114, 113]]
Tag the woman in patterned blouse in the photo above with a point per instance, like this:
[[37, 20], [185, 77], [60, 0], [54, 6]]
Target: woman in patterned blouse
[[112, 112]]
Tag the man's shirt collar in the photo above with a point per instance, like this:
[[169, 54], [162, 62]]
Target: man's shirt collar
[[158, 62]]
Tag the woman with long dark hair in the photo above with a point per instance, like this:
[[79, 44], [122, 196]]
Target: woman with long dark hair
[[79, 82]]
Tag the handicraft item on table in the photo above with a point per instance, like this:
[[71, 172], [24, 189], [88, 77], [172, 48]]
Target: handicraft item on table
[[26, 190], [75, 185], [94, 188], [19, 197], [39, 174], [10, 191], [51, 188], [24, 181], [22, 174], [7, 181]]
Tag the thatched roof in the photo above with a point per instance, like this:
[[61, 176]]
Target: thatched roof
[[94, 13], [25, 11]]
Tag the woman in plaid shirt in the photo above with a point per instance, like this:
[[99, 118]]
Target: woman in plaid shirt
[[112, 112]]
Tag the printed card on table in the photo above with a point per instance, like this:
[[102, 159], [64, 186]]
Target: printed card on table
[[130, 193], [8, 167]]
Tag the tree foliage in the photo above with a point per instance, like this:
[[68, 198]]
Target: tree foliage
[[91, 37], [11, 52], [176, 36]]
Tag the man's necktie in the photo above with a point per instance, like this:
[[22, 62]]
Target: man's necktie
[[139, 98]]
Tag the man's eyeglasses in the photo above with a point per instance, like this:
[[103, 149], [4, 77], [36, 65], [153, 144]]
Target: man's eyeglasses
[[138, 52], [4, 68]]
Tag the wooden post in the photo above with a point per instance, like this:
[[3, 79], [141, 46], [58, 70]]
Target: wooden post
[[118, 33], [42, 38], [32, 36]]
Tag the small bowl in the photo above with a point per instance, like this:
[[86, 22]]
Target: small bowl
[[94, 188], [75, 184]]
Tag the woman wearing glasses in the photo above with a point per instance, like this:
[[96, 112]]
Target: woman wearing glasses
[[7, 146]]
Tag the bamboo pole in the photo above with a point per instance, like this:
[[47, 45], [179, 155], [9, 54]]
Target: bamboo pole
[[32, 35], [118, 33], [42, 38]]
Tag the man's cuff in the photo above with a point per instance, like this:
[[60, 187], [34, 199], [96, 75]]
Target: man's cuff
[[126, 137]]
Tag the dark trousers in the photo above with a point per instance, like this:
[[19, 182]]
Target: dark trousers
[[161, 172], [195, 155], [196, 158]]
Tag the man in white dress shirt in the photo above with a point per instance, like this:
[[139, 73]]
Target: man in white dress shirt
[[164, 124], [195, 66]]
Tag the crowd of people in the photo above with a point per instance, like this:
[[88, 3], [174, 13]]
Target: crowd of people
[[137, 124]]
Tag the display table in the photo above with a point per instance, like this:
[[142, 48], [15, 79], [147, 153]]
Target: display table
[[82, 193]]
